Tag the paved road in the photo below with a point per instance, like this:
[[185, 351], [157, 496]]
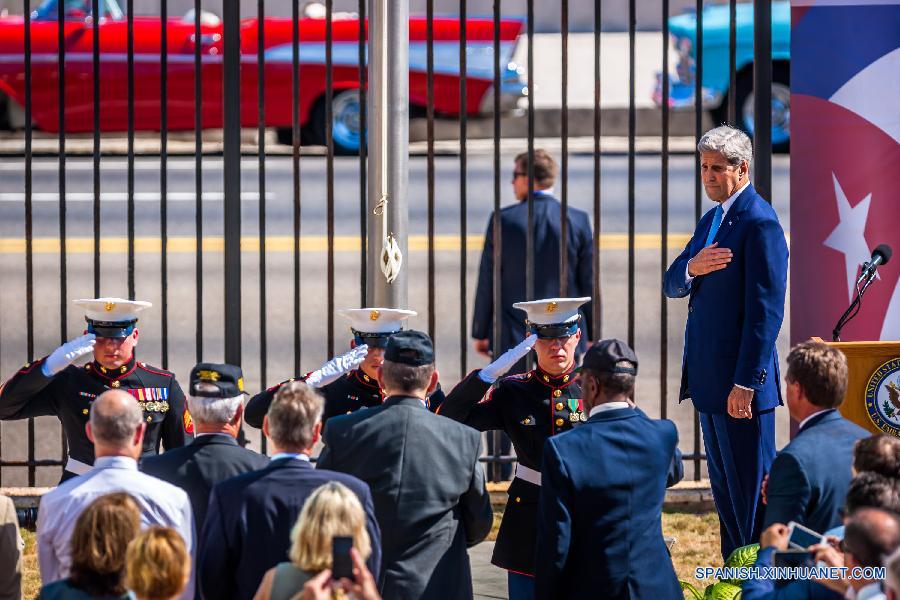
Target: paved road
[[279, 320]]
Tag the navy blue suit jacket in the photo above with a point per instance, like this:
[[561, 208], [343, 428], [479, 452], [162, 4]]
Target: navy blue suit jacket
[[765, 589], [599, 525], [809, 479], [734, 314], [547, 236], [249, 521]]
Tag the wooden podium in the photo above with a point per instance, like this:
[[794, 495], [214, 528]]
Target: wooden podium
[[863, 359]]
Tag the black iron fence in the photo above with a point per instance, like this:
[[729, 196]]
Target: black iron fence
[[290, 294]]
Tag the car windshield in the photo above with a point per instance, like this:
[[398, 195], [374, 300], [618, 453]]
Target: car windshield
[[77, 10]]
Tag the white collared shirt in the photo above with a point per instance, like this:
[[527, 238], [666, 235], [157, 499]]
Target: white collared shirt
[[160, 502], [806, 420], [296, 455], [725, 206], [872, 591], [608, 406]]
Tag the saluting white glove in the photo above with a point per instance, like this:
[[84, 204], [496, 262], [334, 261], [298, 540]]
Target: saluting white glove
[[68, 353], [336, 367], [499, 367]]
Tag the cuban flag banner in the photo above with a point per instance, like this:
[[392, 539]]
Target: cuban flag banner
[[845, 165]]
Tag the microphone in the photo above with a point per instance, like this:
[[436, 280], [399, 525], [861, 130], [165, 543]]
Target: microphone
[[880, 256]]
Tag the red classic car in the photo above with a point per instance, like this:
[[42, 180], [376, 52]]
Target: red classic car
[[79, 74]]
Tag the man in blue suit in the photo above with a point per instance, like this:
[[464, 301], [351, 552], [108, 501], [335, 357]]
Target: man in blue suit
[[810, 476], [734, 271], [602, 491], [250, 517]]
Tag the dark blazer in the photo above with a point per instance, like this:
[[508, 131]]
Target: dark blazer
[[547, 236], [809, 479], [734, 314], [249, 521], [429, 492], [765, 589], [197, 467], [599, 524]]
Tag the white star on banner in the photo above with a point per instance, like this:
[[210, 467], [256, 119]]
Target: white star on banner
[[849, 235]]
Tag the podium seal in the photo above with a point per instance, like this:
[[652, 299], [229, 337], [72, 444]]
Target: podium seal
[[883, 397]]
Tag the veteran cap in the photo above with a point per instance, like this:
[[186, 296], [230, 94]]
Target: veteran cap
[[111, 317], [606, 355], [373, 326], [552, 317], [227, 381], [412, 348]]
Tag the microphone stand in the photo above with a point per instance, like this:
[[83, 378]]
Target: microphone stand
[[856, 304]]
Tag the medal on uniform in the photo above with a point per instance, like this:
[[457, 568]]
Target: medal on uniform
[[583, 417], [573, 407]]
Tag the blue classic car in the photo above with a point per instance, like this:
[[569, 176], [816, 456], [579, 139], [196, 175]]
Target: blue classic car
[[683, 29]]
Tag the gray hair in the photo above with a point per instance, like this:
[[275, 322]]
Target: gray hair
[[406, 379], [293, 415], [115, 416], [212, 411], [731, 143]]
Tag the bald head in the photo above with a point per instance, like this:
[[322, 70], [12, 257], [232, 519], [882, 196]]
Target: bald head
[[871, 535], [115, 419]]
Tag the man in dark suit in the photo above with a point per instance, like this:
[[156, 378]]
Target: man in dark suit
[[810, 476], [734, 269], [602, 490], [429, 490], [215, 400], [250, 517]]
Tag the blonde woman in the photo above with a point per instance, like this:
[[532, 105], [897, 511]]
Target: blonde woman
[[331, 510], [158, 564]]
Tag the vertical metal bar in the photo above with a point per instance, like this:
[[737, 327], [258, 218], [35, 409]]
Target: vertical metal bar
[[732, 62], [596, 307], [163, 181], [295, 156], [363, 148], [664, 221], [430, 162], [130, 168], [762, 98], [231, 14], [529, 245], [698, 131], [29, 263], [261, 156], [564, 155], [61, 101], [95, 29], [463, 159], [198, 180], [495, 472], [632, 27], [329, 168]]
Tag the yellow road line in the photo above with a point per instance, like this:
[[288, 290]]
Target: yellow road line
[[285, 244]]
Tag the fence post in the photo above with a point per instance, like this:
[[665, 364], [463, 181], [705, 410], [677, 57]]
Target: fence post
[[762, 97], [231, 17]]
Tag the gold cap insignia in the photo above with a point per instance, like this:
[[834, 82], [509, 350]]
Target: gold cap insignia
[[208, 375], [109, 306], [374, 315], [552, 306], [240, 384]]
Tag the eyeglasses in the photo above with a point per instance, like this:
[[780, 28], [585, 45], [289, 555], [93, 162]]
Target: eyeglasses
[[517, 174]]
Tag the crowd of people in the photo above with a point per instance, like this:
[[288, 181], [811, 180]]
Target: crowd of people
[[397, 493]]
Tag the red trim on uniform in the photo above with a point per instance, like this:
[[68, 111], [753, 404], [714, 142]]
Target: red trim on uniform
[[556, 381], [97, 369], [360, 377], [31, 366], [149, 370], [520, 573]]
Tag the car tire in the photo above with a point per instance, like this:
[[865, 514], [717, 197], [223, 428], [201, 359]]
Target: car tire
[[345, 122], [781, 88]]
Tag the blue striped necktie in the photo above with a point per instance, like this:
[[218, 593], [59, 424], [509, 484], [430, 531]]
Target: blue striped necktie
[[717, 221]]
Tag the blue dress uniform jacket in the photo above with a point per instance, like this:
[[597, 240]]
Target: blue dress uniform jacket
[[734, 314], [810, 476], [351, 392], [197, 467], [249, 522], [68, 395], [429, 493], [602, 491], [530, 408], [547, 236]]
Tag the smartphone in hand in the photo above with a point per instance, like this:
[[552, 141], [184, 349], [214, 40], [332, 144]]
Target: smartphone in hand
[[801, 538], [341, 563]]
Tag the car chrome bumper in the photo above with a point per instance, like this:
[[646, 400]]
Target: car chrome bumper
[[512, 89], [681, 93]]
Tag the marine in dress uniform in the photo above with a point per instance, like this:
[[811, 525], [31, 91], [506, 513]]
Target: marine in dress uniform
[[55, 386], [349, 382], [530, 407]]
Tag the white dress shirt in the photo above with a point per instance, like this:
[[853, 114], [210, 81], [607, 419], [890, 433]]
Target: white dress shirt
[[873, 591], [161, 503], [608, 406], [725, 206]]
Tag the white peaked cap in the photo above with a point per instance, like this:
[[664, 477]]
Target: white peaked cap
[[111, 310], [552, 311], [376, 320]]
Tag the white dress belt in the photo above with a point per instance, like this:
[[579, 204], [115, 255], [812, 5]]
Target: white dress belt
[[528, 474], [79, 468]]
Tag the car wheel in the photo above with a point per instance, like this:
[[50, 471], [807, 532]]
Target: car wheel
[[781, 106], [345, 122]]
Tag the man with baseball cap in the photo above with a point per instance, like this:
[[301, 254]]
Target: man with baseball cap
[[215, 399], [602, 491], [54, 385], [530, 408], [350, 381]]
